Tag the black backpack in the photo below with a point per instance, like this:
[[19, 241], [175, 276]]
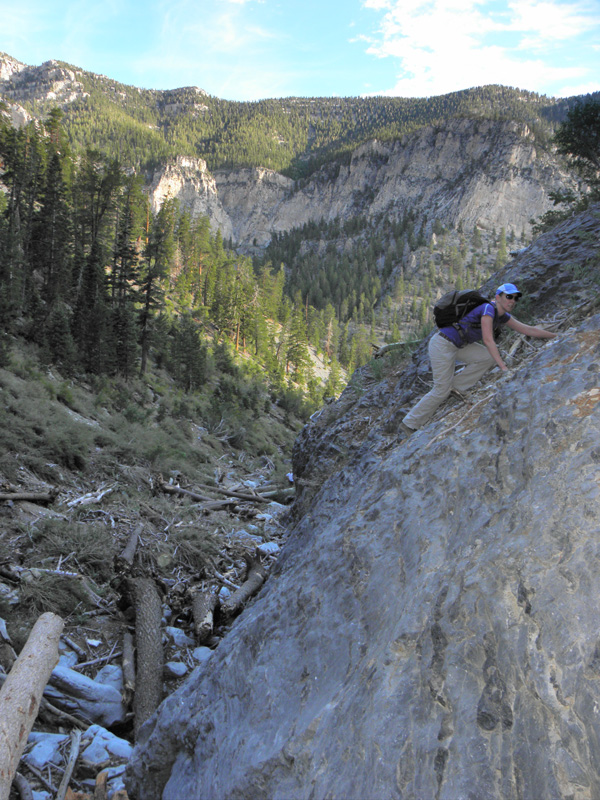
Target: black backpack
[[453, 306]]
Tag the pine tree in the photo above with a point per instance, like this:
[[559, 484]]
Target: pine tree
[[297, 354], [157, 259]]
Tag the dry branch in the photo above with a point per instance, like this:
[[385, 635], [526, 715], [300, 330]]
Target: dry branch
[[49, 709], [74, 646], [254, 580], [73, 754], [148, 615], [22, 691], [90, 497]]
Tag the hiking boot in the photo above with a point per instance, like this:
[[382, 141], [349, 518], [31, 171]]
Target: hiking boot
[[405, 428]]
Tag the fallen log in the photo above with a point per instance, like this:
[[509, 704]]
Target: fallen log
[[33, 497], [148, 677], [22, 691], [255, 577], [233, 493], [124, 561], [203, 607]]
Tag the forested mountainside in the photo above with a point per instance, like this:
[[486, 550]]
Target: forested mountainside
[[355, 250], [144, 127]]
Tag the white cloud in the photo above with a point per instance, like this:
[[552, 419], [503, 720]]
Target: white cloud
[[442, 45], [547, 22]]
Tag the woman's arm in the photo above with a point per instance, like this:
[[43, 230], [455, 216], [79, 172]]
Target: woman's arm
[[487, 333], [529, 330]]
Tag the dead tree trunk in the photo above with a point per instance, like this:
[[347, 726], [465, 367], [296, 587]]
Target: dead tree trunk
[[203, 606], [22, 691], [255, 578], [148, 679]]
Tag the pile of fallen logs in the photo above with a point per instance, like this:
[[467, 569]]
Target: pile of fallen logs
[[167, 627], [230, 497]]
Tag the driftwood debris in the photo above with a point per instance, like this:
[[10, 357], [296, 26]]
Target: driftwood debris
[[255, 577], [204, 603], [168, 488], [22, 691], [148, 616]]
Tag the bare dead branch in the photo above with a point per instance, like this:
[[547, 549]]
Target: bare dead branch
[[255, 578]]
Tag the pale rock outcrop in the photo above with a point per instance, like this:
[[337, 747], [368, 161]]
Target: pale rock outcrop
[[49, 82], [188, 181], [253, 199], [9, 67], [482, 172], [430, 629], [17, 115]]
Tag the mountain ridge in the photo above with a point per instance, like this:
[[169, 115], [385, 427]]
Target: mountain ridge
[[298, 134]]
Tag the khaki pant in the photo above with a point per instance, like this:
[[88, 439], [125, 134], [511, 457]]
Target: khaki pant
[[443, 355]]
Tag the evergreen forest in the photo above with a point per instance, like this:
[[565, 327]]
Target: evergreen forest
[[101, 285]]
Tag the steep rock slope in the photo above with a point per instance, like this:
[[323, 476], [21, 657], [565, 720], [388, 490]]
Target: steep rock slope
[[430, 630], [471, 171]]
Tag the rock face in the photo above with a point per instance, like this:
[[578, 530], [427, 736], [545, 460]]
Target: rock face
[[471, 171], [430, 630], [194, 187]]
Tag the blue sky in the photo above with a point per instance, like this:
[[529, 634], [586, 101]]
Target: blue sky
[[252, 49]]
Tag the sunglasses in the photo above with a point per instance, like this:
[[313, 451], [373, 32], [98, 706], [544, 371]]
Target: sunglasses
[[514, 297]]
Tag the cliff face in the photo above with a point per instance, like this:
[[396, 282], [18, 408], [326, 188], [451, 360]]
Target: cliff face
[[471, 171], [430, 630], [195, 188]]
